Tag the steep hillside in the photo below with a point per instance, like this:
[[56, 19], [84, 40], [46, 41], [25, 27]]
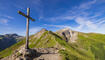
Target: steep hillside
[[42, 39], [87, 46], [95, 43], [8, 40], [45, 39]]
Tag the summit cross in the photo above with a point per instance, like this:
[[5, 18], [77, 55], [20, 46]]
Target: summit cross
[[27, 25]]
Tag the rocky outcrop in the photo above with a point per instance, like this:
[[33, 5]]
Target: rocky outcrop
[[68, 35], [35, 54]]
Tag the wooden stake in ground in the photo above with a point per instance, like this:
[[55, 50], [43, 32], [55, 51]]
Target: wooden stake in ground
[[27, 25]]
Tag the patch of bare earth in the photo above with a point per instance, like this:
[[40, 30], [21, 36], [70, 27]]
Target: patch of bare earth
[[49, 57], [35, 54]]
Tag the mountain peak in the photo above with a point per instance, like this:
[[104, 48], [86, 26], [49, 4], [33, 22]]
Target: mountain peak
[[68, 34], [9, 39], [43, 30], [38, 35], [66, 29]]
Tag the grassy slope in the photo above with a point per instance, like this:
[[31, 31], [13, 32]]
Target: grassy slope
[[89, 46], [10, 50], [94, 43], [48, 39], [45, 41]]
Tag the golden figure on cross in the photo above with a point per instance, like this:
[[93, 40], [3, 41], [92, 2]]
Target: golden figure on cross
[[27, 25]]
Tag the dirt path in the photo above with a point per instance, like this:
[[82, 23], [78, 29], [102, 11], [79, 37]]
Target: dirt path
[[49, 57]]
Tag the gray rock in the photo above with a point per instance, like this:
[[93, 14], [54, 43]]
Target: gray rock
[[68, 35]]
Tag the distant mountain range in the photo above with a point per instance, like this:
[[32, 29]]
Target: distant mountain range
[[8, 40], [72, 45]]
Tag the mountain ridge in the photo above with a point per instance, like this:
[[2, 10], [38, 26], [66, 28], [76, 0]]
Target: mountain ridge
[[8, 40], [87, 46]]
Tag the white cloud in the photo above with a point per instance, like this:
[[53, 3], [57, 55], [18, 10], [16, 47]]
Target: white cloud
[[80, 20], [9, 17], [84, 22], [60, 26], [74, 12], [6, 16], [4, 21], [87, 5], [57, 27], [91, 25], [88, 21]]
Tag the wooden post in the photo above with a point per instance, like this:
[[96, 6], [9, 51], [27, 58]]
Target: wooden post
[[27, 30]]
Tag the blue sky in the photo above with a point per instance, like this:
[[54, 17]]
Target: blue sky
[[79, 15]]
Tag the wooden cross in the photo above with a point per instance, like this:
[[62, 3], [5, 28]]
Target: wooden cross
[[27, 25]]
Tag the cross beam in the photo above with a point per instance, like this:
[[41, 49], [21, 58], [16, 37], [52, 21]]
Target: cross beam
[[21, 13], [27, 25]]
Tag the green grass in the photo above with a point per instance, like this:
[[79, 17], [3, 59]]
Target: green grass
[[46, 40], [89, 46], [1, 37], [11, 49], [94, 43]]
